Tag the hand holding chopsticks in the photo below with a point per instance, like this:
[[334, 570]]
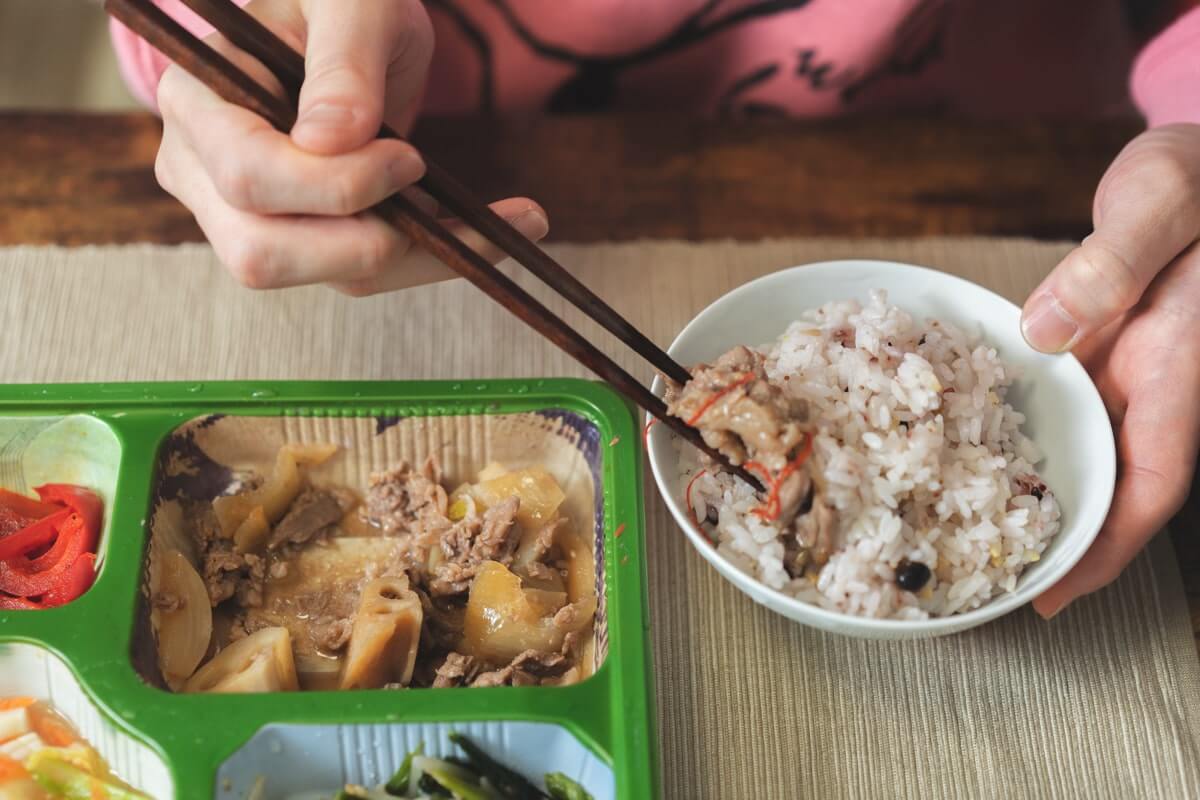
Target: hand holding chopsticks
[[235, 86]]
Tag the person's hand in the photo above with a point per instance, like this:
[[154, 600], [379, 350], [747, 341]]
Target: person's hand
[[283, 210], [1127, 302]]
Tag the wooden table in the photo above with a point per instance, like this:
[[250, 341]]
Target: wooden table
[[73, 179]]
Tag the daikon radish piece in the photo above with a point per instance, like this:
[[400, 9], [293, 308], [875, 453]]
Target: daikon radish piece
[[503, 619], [539, 493]]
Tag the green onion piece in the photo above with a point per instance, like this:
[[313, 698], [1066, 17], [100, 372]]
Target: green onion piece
[[398, 785], [458, 785], [511, 785], [563, 788]]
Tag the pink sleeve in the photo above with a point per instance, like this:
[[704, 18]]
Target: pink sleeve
[[1166, 76], [141, 65]]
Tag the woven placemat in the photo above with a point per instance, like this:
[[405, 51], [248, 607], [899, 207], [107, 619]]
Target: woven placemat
[[1102, 702]]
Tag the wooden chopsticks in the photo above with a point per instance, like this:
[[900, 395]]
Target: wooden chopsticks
[[148, 21]]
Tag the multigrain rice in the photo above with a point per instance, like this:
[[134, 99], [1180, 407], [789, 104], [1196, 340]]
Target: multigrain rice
[[917, 450]]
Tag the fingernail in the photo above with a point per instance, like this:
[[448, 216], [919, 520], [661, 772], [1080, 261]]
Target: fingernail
[[407, 168], [326, 115], [532, 223], [1047, 326], [1053, 611]]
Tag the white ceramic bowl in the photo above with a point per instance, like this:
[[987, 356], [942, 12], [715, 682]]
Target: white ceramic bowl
[[1065, 417]]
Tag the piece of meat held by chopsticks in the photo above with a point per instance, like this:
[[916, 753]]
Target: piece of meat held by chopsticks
[[754, 423]]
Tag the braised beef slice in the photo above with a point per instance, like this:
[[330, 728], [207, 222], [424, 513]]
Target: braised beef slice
[[406, 501], [566, 617], [229, 574], [456, 670], [538, 571], [795, 492], [739, 412], [470, 542], [312, 512], [543, 543], [527, 669], [812, 543]]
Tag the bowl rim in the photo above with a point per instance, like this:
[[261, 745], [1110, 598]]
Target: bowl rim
[[804, 612]]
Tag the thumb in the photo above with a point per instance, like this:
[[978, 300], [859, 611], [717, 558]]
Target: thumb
[[354, 51], [1147, 211]]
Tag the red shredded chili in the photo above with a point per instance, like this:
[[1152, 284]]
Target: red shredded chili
[[620, 529], [710, 402], [646, 432], [771, 510]]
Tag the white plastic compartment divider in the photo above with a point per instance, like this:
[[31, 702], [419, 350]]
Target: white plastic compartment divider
[[295, 759]]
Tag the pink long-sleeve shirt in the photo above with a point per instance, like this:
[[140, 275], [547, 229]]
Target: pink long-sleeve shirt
[[793, 57]]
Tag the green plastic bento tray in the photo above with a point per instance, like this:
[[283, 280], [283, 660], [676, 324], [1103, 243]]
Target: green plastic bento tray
[[611, 713]]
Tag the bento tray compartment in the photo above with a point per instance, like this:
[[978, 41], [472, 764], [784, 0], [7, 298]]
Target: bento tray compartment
[[77, 448], [32, 671], [299, 758], [202, 458]]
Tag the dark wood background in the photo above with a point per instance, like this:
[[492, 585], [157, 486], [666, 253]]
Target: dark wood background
[[74, 179]]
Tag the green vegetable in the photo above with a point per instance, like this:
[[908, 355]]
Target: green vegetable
[[432, 788], [63, 779], [511, 785], [398, 785], [457, 782], [348, 793], [563, 788]]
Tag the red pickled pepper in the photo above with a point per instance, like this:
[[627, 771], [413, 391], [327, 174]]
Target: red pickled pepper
[[82, 501], [74, 581], [26, 507], [32, 536], [11, 521], [67, 568], [8, 603]]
